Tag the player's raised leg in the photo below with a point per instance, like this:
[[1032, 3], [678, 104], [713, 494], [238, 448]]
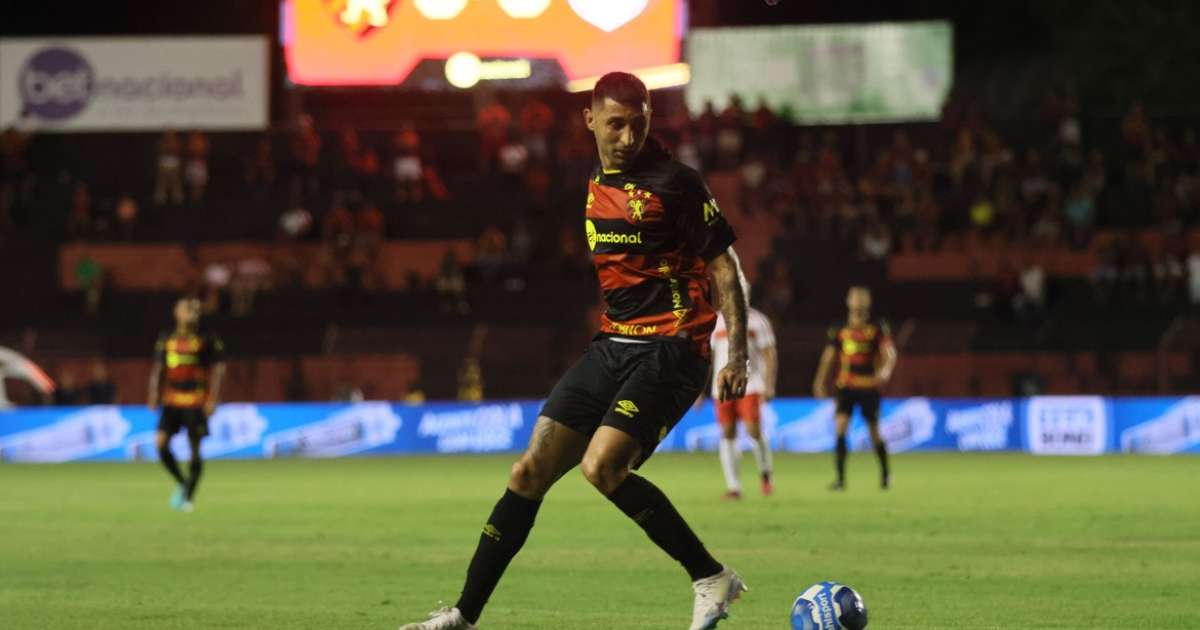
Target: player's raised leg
[[553, 450], [728, 450], [608, 465]]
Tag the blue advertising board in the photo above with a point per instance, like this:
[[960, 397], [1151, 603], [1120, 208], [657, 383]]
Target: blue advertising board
[[1051, 425]]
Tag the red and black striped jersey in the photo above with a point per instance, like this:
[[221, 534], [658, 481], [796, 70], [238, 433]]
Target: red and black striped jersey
[[187, 361], [859, 348], [652, 230]]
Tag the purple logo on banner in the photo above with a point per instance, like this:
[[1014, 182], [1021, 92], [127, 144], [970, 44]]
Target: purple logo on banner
[[56, 83]]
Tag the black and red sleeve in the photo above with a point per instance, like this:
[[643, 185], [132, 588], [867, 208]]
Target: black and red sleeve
[[705, 229]]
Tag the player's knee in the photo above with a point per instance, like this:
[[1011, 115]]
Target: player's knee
[[603, 474], [527, 477], [160, 441], [729, 431], [754, 430]]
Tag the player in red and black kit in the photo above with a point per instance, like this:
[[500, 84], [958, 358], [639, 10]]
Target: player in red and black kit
[[868, 358], [186, 381], [659, 244]]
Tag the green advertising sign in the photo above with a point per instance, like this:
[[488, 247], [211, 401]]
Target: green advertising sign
[[887, 72]]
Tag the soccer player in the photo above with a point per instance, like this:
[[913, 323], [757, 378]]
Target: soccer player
[[760, 386], [868, 358], [186, 381], [659, 244]]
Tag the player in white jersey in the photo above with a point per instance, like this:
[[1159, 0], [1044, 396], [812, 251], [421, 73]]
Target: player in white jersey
[[760, 386]]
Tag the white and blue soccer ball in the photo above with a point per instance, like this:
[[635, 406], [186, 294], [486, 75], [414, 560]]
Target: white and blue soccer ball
[[829, 606]]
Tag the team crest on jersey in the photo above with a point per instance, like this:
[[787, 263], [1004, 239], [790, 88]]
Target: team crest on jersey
[[362, 17], [636, 206]]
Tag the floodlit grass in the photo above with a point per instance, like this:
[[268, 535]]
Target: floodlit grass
[[962, 541]]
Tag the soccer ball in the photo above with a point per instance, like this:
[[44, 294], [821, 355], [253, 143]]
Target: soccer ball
[[829, 606]]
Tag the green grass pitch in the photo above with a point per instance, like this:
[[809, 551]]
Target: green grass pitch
[[962, 541]]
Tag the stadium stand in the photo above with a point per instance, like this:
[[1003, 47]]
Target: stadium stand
[[1013, 256]]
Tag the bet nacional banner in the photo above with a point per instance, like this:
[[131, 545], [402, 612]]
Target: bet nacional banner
[[887, 72], [1075, 425], [134, 83]]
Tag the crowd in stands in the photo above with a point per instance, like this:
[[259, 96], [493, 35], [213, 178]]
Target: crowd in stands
[[1056, 181], [963, 184], [98, 389], [1050, 182]]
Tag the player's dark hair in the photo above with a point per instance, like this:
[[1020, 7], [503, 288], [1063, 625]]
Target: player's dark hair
[[621, 87]]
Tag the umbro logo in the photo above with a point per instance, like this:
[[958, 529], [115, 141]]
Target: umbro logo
[[626, 408]]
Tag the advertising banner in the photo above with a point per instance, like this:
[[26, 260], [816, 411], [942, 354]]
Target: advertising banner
[[448, 44], [1072, 425], [1162, 425], [134, 83], [891, 72], [1067, 425]]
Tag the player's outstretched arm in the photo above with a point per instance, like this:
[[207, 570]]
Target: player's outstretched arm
[[726, 274]]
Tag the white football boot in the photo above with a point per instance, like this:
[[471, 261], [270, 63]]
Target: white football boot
[[714, 595], [444, 618]]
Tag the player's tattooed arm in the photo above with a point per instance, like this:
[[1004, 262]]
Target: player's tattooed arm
[[726, 273]]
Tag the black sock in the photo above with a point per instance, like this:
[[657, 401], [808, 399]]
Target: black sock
[[841, 458], [502, 537], [881, 451], [194, 470], [643, 502], [168, 461]]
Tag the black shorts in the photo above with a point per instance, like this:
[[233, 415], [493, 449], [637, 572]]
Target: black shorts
[[175, 418], [867, 401], [642, 389]]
